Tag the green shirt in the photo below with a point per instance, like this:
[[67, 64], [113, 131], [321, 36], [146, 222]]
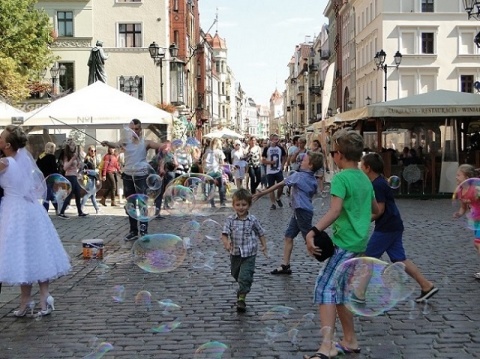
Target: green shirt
[[350, 229]]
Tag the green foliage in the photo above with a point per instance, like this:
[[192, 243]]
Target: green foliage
[[25, 34]]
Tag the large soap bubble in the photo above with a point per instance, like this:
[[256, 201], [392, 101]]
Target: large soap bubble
[[371, 286], [190, 194], [89, 180], [159, 253], [60, 186]]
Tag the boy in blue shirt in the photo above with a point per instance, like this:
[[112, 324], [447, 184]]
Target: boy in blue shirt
[[387, 235], [303, 186]]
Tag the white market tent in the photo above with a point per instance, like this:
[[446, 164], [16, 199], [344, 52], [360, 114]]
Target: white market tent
[[97, 106], [7, 112]]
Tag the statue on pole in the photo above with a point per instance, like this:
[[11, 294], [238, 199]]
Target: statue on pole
[[96, 63]]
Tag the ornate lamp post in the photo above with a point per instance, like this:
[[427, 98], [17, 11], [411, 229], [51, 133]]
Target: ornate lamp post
[[472, 7], [380, 63], [157, 53], [131, 83], [55, 71]]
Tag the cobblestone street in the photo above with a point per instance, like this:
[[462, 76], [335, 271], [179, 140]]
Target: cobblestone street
[[447, 327]]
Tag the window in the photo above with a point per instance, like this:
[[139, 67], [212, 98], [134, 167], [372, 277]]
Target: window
[[175, 5], [67, 81], [427, 5], [131, 88], [65, 23], [130, 35], [427, 43], [466, 83]]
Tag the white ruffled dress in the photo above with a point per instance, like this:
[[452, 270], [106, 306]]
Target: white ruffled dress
[[30, 248]]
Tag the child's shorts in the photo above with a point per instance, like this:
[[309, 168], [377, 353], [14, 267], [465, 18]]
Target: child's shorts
[[390, 242], [301, 221], [330, 284]]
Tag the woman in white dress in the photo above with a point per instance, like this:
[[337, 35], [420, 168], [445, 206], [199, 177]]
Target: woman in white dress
[[30, 249], [238, 155]]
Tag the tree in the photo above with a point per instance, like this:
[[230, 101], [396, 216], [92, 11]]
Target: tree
[[25, 34]]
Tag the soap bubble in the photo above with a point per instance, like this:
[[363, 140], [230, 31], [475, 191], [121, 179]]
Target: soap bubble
[[168, 306], [99, 351], [60, 186], [394, 182], [144, 298], [89, 180], [140, 207], [118, 293], [159, 253], [167, 327], [371, 286], [210, 350]]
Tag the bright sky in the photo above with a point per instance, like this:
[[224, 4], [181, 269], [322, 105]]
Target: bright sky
[[261, 36]]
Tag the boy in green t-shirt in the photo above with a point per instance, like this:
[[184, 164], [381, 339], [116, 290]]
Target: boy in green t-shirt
[[351, 207]]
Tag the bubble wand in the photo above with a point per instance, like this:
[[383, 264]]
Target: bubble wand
[[75, 128]]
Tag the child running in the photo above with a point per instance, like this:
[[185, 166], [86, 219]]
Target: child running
[[351, 207], [240, 235], [303, 185], [387, 235], [469, 202]]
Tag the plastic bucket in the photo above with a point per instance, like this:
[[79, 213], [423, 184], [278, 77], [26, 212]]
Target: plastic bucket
[[92, 248]]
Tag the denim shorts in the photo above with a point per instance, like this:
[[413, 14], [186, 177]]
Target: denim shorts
[[301, 221], [390, 242], [273, 178]]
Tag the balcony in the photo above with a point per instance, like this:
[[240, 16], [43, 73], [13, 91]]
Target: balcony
[[324, 54], [315, 90], [313, 67]]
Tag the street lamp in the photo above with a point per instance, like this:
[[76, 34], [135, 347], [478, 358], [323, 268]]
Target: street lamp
[[177, 76], [55, 71], [380, 63], [369, 100], [472, 7], [157, 53], [131, 83]]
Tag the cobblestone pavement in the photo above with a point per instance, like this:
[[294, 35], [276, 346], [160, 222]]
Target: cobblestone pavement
[[448, 327]]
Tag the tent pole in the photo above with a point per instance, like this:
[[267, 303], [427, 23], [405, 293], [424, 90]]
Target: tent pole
[[378, 123]]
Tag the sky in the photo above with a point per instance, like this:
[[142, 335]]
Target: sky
[[261, 36]]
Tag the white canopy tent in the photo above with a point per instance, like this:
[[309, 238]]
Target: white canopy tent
[[223, 133], [440, 103], [97, 106], [7, 112]]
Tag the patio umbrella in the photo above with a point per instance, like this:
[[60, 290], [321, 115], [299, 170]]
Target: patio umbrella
[[223, 133]]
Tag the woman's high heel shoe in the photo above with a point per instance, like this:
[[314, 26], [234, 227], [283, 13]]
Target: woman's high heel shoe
[[50, 307], [29, 307]]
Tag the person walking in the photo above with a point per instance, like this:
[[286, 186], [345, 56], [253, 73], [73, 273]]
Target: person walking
[[70, 160], [47, 163], [135, 170], [240, 236], [35, 252], [90, 171], [212, 163], [254, 157], [110, 171], [274, 157]]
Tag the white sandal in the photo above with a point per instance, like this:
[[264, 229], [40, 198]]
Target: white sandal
[[477, 275]]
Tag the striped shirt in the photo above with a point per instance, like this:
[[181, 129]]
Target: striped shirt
[[244, 234]]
